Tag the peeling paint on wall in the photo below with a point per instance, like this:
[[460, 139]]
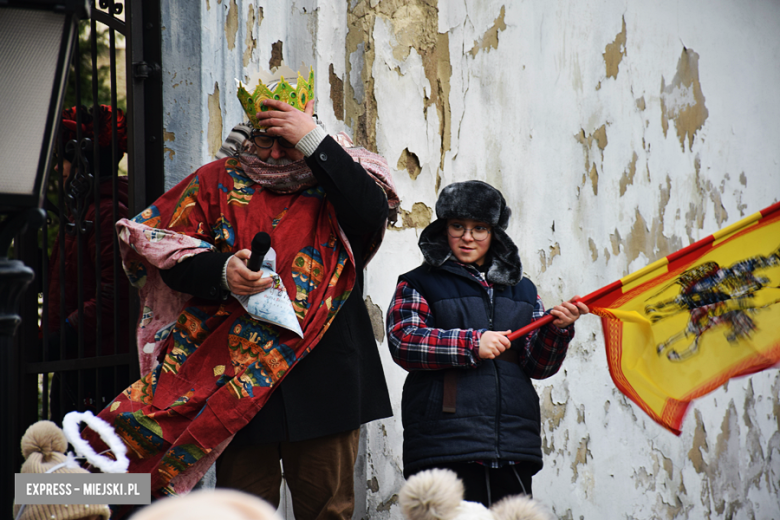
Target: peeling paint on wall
[[628, 175], [250, 43], [625, 405], [552, 413], [644, 480], [231, 25], [694, 217], [336, 93], [614, 52], [409, 162], [665, 194], [548, 448], [682, 101], [756, 451], [169, 137], [360, 113], [600, 137], [741, 207], [581, 457], [724, 483], [418, 218], [594, 253], [568, 515], [697, 209], [695, 454], [649, 242], [668, 510], [215, 122], [277, 56], [377, 319], [490, 38], [357, 64], [593, 175], [642, 239], [415, 26], [615, 240], [440, 96], [546, 257], [721, 215], [668, 465], [387, 504]]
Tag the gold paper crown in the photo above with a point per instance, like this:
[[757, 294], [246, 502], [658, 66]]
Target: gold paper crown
[[296, 97]]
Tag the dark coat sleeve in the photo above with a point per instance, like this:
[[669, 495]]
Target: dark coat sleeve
[[200, 275], [360, 204]]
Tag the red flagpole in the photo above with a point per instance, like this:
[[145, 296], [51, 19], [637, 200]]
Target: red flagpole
[[547, 318]]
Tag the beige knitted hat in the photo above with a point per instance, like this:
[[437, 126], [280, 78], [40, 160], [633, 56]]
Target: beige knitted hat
[[210, 504], [43, 446]]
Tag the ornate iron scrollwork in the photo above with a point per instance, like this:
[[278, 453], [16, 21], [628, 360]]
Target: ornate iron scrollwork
[[80, 185], [114, 8]]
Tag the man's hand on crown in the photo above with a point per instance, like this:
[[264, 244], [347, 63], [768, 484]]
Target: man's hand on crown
[[287, 121]]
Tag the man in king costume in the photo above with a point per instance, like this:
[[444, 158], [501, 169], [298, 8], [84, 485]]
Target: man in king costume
[[219, 384]]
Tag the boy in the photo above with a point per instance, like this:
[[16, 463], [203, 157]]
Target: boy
[[468, 403]]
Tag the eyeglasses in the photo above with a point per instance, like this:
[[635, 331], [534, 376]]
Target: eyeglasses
[[267, 141], [478, 233]]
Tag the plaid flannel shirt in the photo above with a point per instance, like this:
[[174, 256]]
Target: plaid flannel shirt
[[415, 346]]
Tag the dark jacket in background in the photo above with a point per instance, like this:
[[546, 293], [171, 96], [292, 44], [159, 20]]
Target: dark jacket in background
[[109, 285]]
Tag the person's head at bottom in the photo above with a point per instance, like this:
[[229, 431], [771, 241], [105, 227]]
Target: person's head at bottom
[[209, 504]]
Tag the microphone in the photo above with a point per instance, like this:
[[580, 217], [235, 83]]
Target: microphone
[[260, 246]]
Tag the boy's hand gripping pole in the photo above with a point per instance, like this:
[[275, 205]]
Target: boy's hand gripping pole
[[547, 318]]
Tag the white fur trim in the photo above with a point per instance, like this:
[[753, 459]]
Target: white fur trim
[[70, 425]]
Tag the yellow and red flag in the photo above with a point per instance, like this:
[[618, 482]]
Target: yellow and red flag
[[686, 324]]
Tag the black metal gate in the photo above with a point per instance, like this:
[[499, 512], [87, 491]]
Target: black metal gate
[[75, 348]]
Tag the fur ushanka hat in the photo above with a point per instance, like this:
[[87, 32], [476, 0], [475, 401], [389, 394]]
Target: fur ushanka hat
[[475, 200]]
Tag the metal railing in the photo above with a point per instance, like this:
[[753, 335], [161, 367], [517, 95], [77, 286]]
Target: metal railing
[[59, 367]]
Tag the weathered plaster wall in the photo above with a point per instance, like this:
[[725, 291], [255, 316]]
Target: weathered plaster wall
[[618, 132], [207, 44]]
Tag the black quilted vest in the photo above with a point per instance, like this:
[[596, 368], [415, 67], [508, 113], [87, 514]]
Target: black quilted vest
[[497, 407]]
